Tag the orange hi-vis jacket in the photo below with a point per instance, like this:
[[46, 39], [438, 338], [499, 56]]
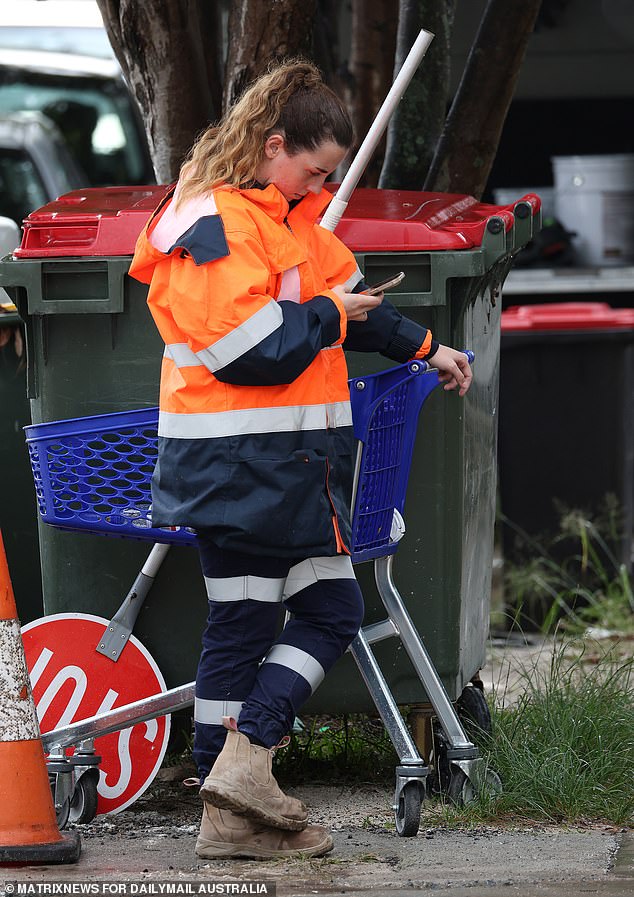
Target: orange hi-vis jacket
[[255, 427]]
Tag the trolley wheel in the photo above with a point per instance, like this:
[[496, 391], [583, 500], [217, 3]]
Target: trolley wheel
[[462, 790], [407, 813], [61, 813], [83, 803]]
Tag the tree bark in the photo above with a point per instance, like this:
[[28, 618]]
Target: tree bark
[[372, 48], [163, 50], [326, 44], [418, 120], [261, 32], [469, 142]]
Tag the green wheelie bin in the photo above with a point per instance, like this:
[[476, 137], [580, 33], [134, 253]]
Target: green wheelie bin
[[92, 348], [18, 510]]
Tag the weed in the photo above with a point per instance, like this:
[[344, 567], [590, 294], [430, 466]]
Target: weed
[[586, 588], [182, 755], [565, 751], [355, 747]]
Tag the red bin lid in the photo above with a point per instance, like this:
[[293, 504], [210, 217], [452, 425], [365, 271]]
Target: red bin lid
[[107, 221], [566, 316], [96, 221]]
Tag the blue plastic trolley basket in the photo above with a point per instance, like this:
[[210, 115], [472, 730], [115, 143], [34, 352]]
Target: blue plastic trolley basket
[[93, 474]]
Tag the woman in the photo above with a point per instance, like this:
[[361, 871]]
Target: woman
[[255, 303]]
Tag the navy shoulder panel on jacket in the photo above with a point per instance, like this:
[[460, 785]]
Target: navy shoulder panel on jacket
[[205, 240]]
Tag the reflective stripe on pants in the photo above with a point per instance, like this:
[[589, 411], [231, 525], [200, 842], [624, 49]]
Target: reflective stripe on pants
[[245, 663]]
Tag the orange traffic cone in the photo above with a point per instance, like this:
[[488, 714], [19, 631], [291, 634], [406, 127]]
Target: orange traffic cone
[[28, 826]]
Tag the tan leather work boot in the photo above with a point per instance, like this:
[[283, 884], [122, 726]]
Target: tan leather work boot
[[241, 780], [223, 834]]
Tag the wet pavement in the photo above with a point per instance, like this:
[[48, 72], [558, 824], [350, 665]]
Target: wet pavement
[[153, 842]]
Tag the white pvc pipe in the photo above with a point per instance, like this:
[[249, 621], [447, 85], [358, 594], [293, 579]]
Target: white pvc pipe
[[338, 204]]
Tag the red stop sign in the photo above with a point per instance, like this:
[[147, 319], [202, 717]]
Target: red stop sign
[[72, 682]]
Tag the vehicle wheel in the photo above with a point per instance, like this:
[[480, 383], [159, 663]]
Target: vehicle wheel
[[407, 813], [83, 804], [462, 791]]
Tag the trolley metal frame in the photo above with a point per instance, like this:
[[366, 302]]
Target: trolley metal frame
[[386, 408]]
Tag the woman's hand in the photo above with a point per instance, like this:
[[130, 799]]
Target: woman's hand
[[454, 368], [357, 305]]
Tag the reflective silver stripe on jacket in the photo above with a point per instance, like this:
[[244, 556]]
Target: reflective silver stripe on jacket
[[312, 570], [243, 588], [299, 661], [230, 347], [212, 712], [353, 280], [247, 421]]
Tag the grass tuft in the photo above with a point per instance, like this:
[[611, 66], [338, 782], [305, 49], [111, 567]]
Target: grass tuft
[[586, 588], [565, 751]]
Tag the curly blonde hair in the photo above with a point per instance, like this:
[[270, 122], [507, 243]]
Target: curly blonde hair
[[291, 99]]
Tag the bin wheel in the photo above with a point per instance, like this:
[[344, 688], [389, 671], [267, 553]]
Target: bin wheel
[[462, 790], [474, 712], [475, 716], [407, 813], [83, 803]]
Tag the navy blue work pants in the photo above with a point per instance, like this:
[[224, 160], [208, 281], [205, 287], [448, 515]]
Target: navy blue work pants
[[248, 671]]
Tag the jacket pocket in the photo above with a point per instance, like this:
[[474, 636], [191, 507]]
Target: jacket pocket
[[282, 502]]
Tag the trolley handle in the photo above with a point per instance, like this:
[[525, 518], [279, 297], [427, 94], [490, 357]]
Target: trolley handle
[[425, 365], [395, 378]]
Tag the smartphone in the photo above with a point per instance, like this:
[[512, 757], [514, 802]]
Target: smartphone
[[392, 281]]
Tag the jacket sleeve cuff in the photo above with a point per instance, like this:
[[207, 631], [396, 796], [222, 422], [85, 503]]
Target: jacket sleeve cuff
[[409, 341], [428, 347], [331, 312]]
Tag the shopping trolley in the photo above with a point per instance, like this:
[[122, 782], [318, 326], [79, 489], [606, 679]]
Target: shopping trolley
[[93, 474]]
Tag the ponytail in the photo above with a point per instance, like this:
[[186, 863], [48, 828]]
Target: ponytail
[[291, 100]]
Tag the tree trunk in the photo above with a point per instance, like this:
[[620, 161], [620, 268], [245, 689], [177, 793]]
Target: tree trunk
[[326, 43], [418, 120], [261, 32], [163, 50], [214, 51], [372, 48], [469, 142]]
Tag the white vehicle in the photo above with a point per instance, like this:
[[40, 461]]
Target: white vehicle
[[55, 59], [54, 26]]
